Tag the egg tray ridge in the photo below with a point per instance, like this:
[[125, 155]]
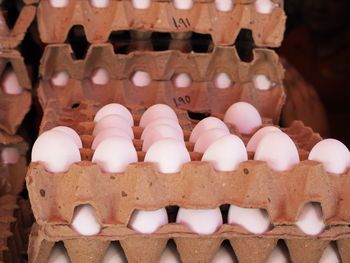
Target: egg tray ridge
[[11, 115], [162, 66], [192, 247]]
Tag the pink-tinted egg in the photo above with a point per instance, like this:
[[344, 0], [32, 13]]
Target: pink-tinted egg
[[226, 153], [58, 254], [114, 154], [155, 112], [169, 155], [278, 256], [147, 222], [224, 256], [334, 155], [161, 121], [310, 221], [141, 79], [100, 76], [60, 79], [182, 80], [113, 121], [56, 150], [114, 254], [224, 5], [244, 117], [100, 3], [278, 150], [330, 255], [10, 155], [222, 80], [205, 125], [170, 255], [200, 221], [114, 109], [256, 138], [10, 83], [207, 138], [262, 82], [59, 3], [70, 132], [141, 4], [254, 220], [264, 6], [183, 4], [85, 221], [108, 133]]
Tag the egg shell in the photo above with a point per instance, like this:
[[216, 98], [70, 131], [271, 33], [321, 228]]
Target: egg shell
[[155, 112], [169, 155], [114, 154], [224, 5], [334, 155], [147, 222], [159, 132], [10, 155], [182, 80], [107, 133], [114, 109], [222, 80], [113, 121], [10, 83], [278, 256], [100, 76], [100, 3], [171, 122], [255, 220], [60, 79], [56, 150], [330, 255], [70, 132], [141, 4], [310, 221], [207, 138], [200, 221], [262, 82], [114, 254], [205, 125], [278, 150], [85, 221], [244, 116], [264, 6], [226, 153], [59, 3], [58, 255], [183, 4], [256, 138], [170, 255], [224, 256], [141, 79]]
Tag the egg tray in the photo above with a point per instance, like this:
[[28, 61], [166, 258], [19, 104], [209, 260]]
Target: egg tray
[[13, 108], [12, 37], [191, 247], [224, 27], [202, 96]]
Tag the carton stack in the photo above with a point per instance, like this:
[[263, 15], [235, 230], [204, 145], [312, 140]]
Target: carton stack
[[14, 105]]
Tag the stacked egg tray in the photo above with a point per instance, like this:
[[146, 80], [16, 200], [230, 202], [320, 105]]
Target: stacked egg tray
[[114, 196], [202, 96], [224, 27]]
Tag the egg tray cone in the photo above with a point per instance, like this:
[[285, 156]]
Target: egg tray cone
[[224, 27], [192, 248], [202, 96], [11, 114], [12, 37]]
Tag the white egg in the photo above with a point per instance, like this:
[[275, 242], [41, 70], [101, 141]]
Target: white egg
[[10, 83], [141, 4], [114, 254], [114, 154], [224, 5], [244, 116], [170, 255], [114, 109], [161, 121], [330, 255], [169, 155], [70, 132], [141, 79], [277, 256], [278, 150], [207, 138], [59, 3], [182, 80], [100, 76], [334, 155], [60, 79], [10, 155], [262, 82], [58, 255], [254, 220], [205, 125], [85, 221], [155, 112], [147, 222], [226, 154], [200, 221], [310, 220], [256, 138], [222, 80], [100, 3], [113, 121], [224, 256], [160, 132], [183, 4], [264, 6], [56, 150], [108, 133]]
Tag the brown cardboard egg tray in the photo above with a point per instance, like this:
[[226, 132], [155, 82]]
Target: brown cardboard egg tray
[[12, 37], [224, 27], [201, 97], [13, 108]]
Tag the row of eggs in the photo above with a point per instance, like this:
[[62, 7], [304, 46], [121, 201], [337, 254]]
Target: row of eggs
[[261, 6]]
